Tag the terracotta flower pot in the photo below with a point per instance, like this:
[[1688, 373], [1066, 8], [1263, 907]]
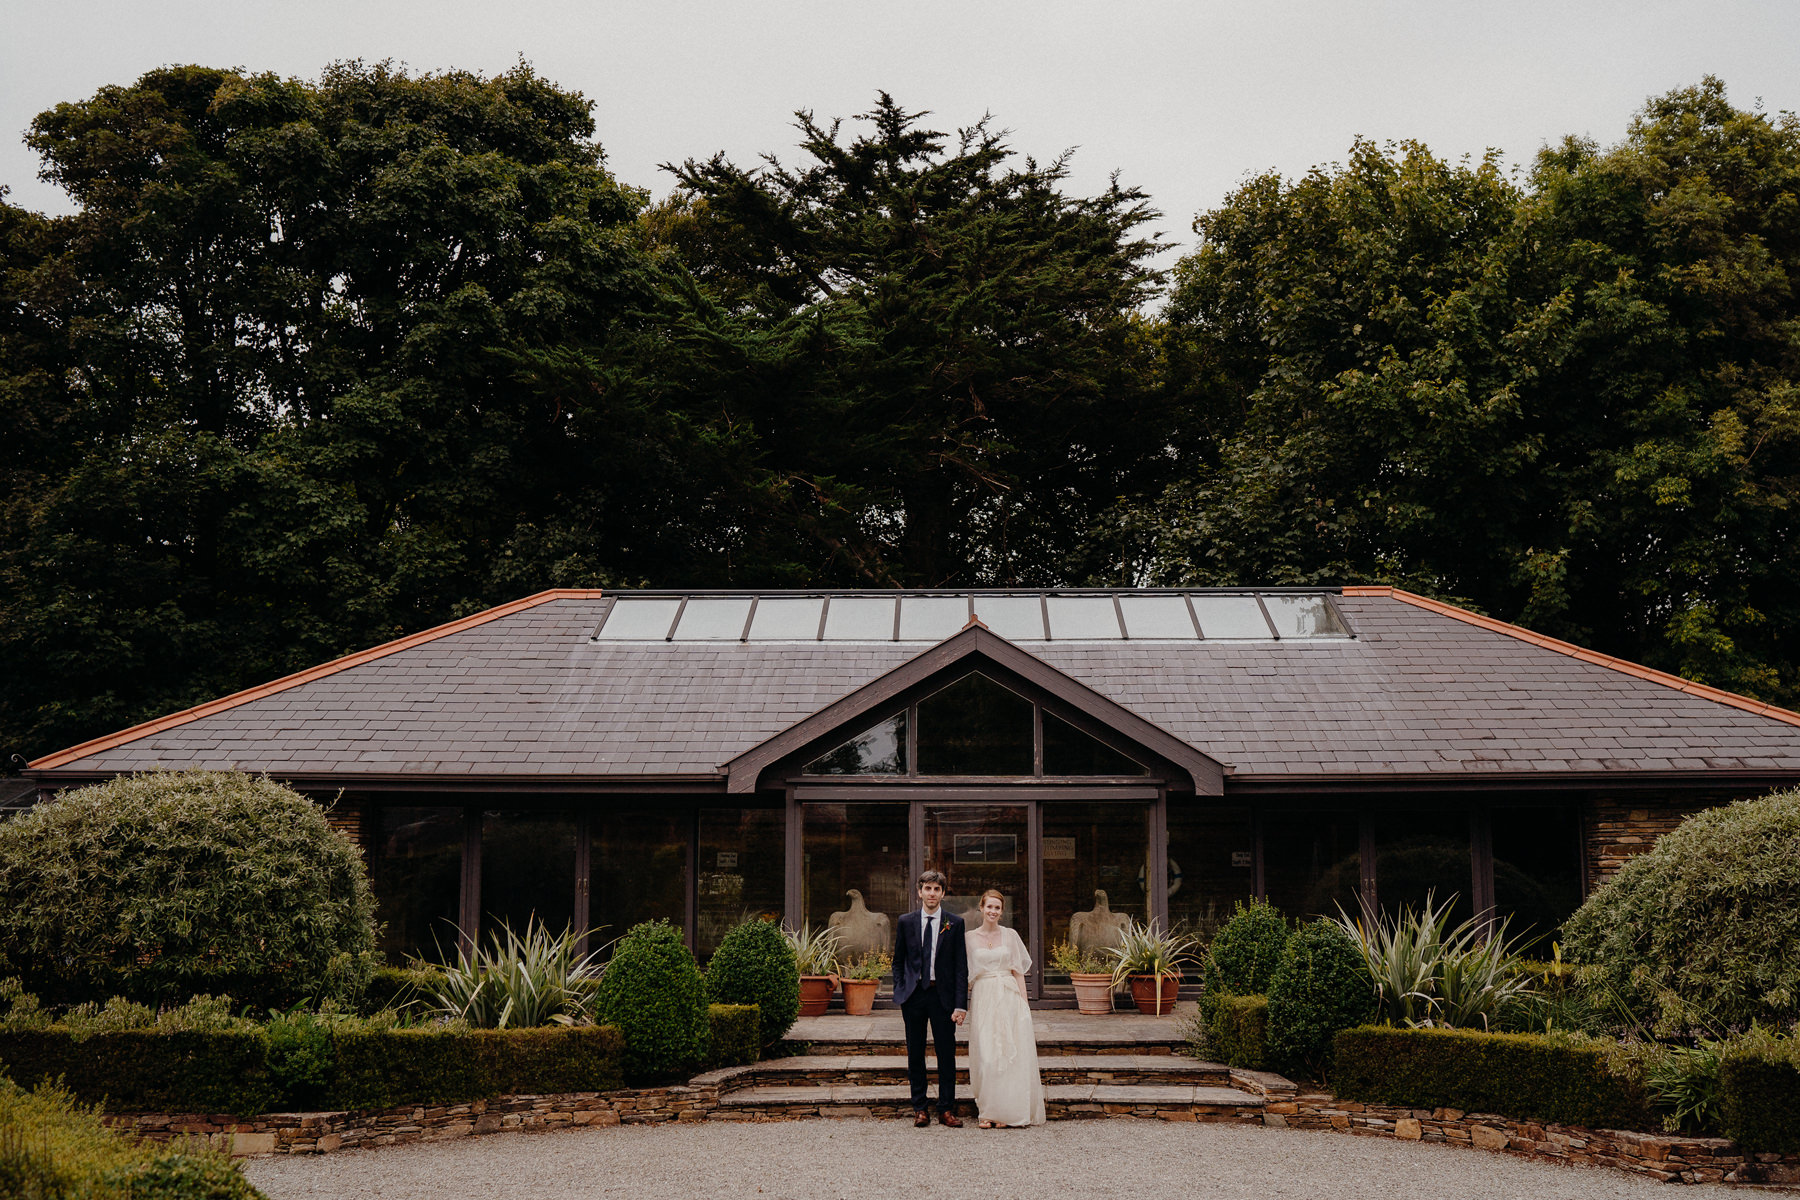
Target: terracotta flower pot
[[1151, 998], [815, 994], [1093, 993], [859, 996]]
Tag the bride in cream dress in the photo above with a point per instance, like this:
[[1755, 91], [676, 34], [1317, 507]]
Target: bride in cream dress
[[1003, 1061]]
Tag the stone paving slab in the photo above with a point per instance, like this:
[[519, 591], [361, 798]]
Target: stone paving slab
[[1050, 1024], [1164, 1063]]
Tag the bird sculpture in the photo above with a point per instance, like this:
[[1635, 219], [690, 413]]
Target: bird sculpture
[[860, 931], [1099, 928]]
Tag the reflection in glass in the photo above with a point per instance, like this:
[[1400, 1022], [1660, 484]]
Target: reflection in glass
[[637, 872], [527, 869], [1094, 872], [1015, 618], [1537, 871], [418, 881], [975, 727], [1069, 751], [1077, 618], [786, 619], [1230, 617], [860, 619], [1304, 616], [932, 618], [855, 862], [980, 846], [1211, 863], [639, 620], [1157, 617], [1423, 853], [741, 860], [1311, 862], [880, 750], [713, 619]]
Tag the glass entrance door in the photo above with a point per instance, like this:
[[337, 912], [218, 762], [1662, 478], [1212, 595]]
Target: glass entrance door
[[981, 846]]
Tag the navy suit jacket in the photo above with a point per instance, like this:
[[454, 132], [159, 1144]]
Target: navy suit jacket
[[952, 960]]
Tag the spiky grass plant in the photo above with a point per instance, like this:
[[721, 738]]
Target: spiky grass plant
[[519, 980], [815, 950], [1429, 972], [1145, 949]]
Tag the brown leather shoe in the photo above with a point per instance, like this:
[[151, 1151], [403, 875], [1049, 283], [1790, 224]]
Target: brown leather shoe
[[950, 1119], [921, 1119]]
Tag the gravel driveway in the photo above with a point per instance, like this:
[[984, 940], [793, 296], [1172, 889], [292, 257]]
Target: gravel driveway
[[881, 1160]]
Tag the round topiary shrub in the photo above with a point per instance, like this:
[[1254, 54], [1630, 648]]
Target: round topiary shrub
[[1703, 931], [755, 965], [1321, 987], [159, 886], [653, 994], [1247, 949]]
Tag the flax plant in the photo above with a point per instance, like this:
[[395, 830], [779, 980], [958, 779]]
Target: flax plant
[[1146, 950], [815, 950], [520, 980], [1428, 972]]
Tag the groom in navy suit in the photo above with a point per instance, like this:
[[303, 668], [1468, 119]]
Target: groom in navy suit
[[931, 986]]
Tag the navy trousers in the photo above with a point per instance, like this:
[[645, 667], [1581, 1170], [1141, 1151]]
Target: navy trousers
[[923, 1011]]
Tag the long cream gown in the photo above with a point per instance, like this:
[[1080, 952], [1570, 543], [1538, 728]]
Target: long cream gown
[[1003, 1061]]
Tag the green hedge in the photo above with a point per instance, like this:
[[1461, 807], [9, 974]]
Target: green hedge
[[736, 1034], [234, 1072], [1519, 1075], [1238, 1027], [1759, 1094]]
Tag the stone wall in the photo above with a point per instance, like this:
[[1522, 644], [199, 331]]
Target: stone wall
[[1617, 828]]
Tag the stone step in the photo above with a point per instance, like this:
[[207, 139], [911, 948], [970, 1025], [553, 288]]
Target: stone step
[[818, 1070], [1047, 1047], [1061, 1102]]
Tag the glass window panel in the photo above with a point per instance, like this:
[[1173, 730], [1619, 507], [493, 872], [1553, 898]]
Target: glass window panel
[[877, 751], [981, 846], [640, 620], [1094, 873], [1083, 617], [860, 619], [1016, 618], [527, 869], [975, 727], [1230, 617], [786, 619], [932, 618], [714, 619], [418, 881], [854, 870], [1211, 864], [638, 862], [741, 858], [1537, 871], [1069, 751], [1311, 862], [1157, 617], [1304, 616], [1420, 854]]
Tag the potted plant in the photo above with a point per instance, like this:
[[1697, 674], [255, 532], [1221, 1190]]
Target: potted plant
[[1087, 971], [1151, 960], [815, 952], [861, 978]]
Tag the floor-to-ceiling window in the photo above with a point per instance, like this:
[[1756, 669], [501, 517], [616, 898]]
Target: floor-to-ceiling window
[[417, 872]]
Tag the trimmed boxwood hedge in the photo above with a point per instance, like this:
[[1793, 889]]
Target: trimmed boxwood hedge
[[1759, 1094], [736, 1034], [1520, 1075], [1238, 1029], [231, 1072]]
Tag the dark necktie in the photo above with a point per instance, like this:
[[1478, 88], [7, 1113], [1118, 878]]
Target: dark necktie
[[930, 958]]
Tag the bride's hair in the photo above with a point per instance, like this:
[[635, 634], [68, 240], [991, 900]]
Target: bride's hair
[[991, 892]]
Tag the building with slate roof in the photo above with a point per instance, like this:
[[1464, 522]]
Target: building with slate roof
[[601, 759]]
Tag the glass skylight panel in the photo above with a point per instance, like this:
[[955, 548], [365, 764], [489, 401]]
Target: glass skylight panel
[[1157, 617], [1304, 616], [1224, 617], [713, 619], [1083, 618], [640, 620], [932, 618], [860, 619], [1015, 618], [786, 619]]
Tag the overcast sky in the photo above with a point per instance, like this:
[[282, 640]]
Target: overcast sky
[[1183, 99]]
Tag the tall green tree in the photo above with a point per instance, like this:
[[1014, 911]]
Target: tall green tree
[[273, 367], [1568, 402], [930, 355]]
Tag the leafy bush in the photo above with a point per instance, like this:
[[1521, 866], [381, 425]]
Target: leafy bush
[[1684, 1081], [519, 980], [755, 964], [1427, 973], [1703, 931], [654, 995], [1321, 987], [393, 989], [736, 1034], [1566, 1079], [158, 886], [1237, 1029], [53, 1149], [1247, 950], [1759, 1092]]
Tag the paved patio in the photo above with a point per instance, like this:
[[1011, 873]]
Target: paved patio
[[1053, 1025]]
